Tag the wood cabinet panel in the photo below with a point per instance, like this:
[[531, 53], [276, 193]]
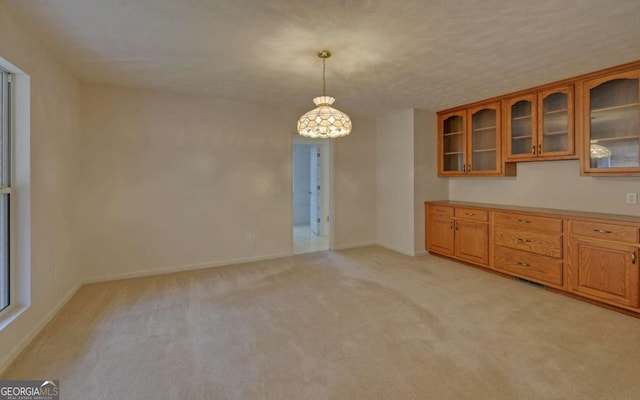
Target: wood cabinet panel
[[472, 213], [442, 211], [440, 235], [544, 244], [545, 270], [604, 271], [529, 222], [604, 231], [472, 241]]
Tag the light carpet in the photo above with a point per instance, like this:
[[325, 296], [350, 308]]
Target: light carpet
[[365, 323]]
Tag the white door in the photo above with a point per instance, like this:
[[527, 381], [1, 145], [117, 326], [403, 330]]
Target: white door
[[315, 210]]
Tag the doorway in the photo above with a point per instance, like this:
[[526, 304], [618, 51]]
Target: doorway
[[311, 195]]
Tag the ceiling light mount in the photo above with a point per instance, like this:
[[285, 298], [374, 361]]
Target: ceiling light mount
[[324, 121]]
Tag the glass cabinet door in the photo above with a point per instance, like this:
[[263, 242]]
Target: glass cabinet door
[[522, 127], [453, 142], [555, 130], [611, 124], [484, 139]]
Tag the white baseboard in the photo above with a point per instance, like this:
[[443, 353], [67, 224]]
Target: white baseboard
[[421, 253], [181, 268], [4, 364], [355, 245], [396, 249]]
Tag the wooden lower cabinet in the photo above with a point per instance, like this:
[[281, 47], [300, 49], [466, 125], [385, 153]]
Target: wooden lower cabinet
[[458, 232], [529, 247], [603, 262], [472, 241], [440, 235], [546, 270], [594, 256]]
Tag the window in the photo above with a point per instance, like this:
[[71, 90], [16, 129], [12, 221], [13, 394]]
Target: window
[[5, 187]]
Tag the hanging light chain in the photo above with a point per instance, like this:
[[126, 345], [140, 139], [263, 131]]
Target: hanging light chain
[[324, 81]]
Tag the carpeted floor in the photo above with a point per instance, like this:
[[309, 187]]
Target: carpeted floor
[[365, 323]]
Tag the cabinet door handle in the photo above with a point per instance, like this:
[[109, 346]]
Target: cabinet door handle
[[451, 225], [533, 150], [602, 231], [469, 168], [524, 221], [521, 240], [524, 264], [464, 168], [471, 214], [633, 257], [456, 226], [539, 149]]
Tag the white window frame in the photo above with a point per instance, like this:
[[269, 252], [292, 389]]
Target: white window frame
[[7, 187], [20, 201]]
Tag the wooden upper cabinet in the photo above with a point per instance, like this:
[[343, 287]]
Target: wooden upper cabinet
[[540, 125], [470, 142], [521, 127], [452, 131], [484, 134], [611, 114]]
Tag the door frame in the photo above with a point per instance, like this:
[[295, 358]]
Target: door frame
[[331, 147]]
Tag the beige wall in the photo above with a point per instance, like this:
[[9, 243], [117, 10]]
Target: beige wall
[[54, 145], [355, 186], [395, 181], [173, 181], [550, 184], [427, 184], [406, 178]]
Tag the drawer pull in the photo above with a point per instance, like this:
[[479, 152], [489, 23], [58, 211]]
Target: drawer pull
[[602, 231], [524, 264], [471, 214], [521, 240], [440, 210], [633, 257], [524, 221]]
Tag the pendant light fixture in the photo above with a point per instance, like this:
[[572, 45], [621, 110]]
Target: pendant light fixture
[[324, 121]]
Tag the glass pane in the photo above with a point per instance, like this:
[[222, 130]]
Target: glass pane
[[483, 140], [3, 121], [4, 251], [521, 127], [555, 123], [453, 143], [614, 124]]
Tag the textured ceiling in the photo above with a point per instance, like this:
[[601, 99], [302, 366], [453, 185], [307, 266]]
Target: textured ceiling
[[387, 54]]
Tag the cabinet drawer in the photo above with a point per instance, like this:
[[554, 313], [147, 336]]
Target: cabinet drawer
[[444, 211], [544, 224], [599, 230], [539, 243], [529, 266], [472, 213]]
